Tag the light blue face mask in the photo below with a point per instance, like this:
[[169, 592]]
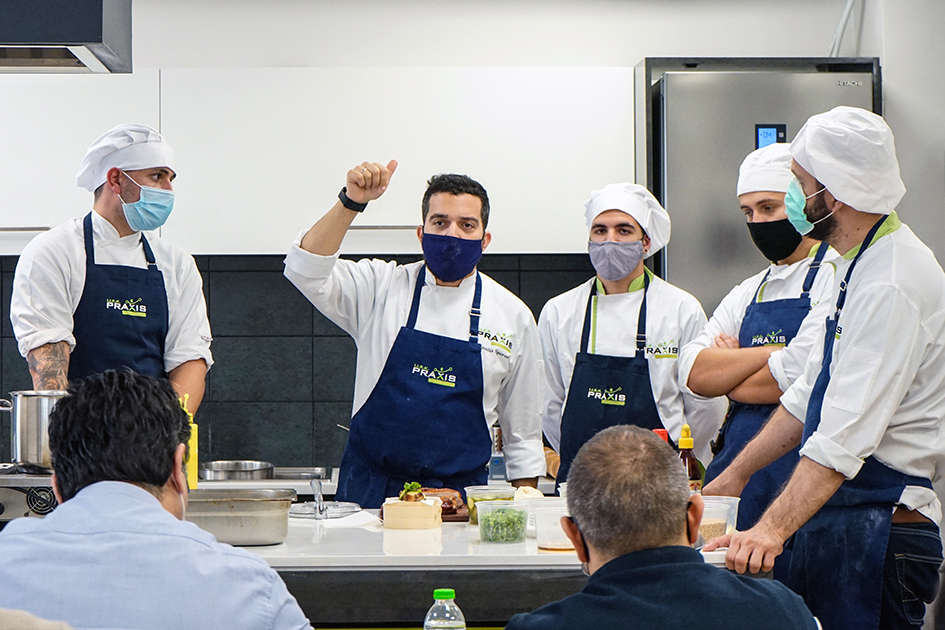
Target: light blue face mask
[[151, 210], [796, 204]]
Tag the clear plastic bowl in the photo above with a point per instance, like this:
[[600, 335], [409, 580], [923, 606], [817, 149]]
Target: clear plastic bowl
[[549, 533], [720, 516], [501, 521], [474, 494]]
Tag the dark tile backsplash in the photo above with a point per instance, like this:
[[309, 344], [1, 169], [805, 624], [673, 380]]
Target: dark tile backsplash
[[283, 377]]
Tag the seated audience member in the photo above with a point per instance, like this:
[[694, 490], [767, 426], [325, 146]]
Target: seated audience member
[[633, 524], [116, 552]]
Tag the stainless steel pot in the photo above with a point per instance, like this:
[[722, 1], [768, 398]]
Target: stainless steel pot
[[242, 517], [29, 424], [229, 469]]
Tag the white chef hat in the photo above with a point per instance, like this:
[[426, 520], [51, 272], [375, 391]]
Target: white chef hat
[[765, 169], [128, 147], [636, 201], [851, 152]]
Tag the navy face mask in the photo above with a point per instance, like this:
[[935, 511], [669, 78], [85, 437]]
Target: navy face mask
[[451, 258]]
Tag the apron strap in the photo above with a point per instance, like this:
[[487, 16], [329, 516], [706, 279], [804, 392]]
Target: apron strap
[[814, 268], [760, 285], [842, 297], [89, 245], [641, 320], [590, 312], [474, 311], [415, 305], [148, 254]]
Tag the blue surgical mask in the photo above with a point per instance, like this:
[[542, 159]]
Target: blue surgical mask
[[614, 260], [151, 210], [796, 204], [451, 258]]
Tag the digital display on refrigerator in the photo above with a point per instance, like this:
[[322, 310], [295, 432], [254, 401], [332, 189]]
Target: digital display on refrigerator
[[766, 134]]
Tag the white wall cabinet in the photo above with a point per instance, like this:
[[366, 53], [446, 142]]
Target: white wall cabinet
[[49, 121], [263, 152]]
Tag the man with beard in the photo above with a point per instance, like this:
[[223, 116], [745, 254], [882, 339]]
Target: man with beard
[[443, 350], [868, 409], [757, 342]]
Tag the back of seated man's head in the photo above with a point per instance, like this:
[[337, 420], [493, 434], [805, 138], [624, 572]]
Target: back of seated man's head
[[627, 491], [117, 426]]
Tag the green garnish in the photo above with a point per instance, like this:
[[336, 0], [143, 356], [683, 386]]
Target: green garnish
[[411, 488]]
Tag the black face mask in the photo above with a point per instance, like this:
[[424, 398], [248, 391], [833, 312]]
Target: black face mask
[[776, 239]]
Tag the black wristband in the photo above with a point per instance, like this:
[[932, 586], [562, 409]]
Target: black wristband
[[349, 203]]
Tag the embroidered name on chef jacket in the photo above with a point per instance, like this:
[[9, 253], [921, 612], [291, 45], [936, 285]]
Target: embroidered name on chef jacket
[[130, 308], [610, 396], [502, 342], [773, 338], [436, 376], [663, 350]]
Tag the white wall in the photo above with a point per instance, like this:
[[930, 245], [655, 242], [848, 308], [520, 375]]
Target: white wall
[[374, 33]]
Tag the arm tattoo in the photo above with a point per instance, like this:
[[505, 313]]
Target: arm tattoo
[[49, 365]]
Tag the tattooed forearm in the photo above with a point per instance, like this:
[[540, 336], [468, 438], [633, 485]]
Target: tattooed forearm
[[49, 365]]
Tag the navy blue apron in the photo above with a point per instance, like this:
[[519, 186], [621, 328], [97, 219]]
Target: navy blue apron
[[122, 317], [838, 556], [774, 322], [424, 419], [606, 390]]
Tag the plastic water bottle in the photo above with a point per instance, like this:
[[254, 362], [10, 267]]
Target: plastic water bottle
[[444, 613]]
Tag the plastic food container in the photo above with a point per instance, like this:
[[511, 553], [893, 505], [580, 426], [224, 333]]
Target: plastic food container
[[720, 516], [475, 494], [548, 528], [501, 521]]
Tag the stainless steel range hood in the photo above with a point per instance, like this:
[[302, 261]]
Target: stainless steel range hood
[[65, 36]]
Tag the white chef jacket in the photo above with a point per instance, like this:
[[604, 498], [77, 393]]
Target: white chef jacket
[[673, 318], [50, 277], [886, 395], [784, 282], [370, 300]]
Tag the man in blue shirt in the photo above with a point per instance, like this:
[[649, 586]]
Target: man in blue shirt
[[116, 552], [633, 524]]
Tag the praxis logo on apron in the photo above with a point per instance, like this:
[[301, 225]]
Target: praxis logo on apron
[[773, 338], [437, 376], [663, 350], [611, 396], [131, 308]]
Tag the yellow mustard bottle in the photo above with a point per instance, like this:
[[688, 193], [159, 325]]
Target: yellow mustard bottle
[[191, 445]]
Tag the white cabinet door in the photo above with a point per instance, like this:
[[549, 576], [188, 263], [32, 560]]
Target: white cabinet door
[[262, 153], [49, 121]]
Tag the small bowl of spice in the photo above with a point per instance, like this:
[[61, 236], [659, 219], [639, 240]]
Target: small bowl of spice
[[501, 522]]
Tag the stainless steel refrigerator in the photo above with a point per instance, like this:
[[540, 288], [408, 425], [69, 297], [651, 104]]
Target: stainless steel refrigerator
[[696, 119]]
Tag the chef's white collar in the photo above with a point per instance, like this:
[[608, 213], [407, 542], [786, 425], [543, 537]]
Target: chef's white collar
[[103, 229]]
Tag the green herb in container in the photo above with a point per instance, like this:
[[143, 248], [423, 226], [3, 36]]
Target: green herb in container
[[500, 522]]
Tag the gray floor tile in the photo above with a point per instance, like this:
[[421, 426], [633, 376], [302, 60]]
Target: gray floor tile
[[6, 291], [329, 439], [556, 262], [334, 369], [257, 303], [537, 287], [280, 433], [261, 369], [15, 373]]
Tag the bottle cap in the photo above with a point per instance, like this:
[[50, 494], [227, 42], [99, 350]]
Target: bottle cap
[[444, 593], [685, 437]]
